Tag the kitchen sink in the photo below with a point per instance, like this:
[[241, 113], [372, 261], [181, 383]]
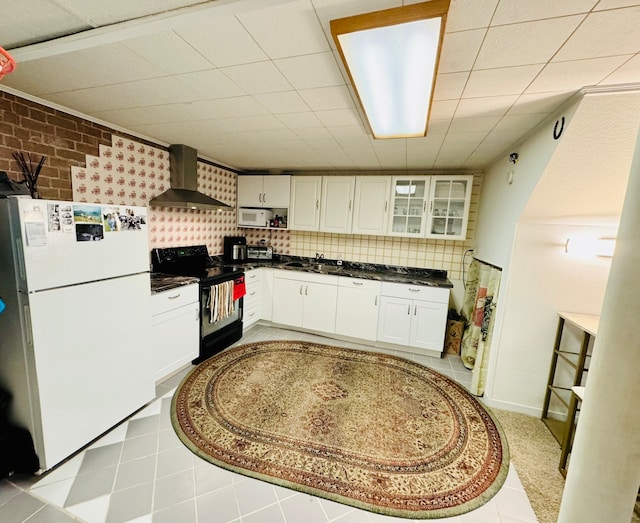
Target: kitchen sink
[[297, 264], [323, 268]]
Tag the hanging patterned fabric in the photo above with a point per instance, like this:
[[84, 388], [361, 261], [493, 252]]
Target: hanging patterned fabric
[[481, 293], [220, 301]]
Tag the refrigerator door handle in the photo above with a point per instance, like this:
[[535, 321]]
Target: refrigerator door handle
[[29, 328], [20, 259]]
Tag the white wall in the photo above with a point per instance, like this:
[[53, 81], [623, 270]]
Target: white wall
[[583, 178]]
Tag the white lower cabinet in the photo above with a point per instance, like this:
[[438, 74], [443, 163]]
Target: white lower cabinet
[[175, 332], [413, 315], [252, 304], [305, 300], [357, 308]]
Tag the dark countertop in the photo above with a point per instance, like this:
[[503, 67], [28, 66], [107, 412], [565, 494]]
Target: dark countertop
[[164, 282], [366, 271]]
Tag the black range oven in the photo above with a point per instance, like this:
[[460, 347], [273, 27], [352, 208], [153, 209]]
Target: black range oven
[[221, 290]]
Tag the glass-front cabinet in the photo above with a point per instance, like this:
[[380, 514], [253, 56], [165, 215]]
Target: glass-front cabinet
[[409, 206], [449, 200]]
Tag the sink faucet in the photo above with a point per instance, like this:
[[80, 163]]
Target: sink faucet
[[319, 257]]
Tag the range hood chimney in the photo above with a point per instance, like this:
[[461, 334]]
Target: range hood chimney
[[183, 162]]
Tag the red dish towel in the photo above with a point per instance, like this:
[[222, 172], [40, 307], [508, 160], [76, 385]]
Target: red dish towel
[[239, 288]]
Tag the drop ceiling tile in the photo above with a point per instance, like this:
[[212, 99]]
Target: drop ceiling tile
[[312, 133], [605, 33], [36, 21], [572, 76], [479, 125], [286, 30], [497, 82], [209, 84], [629, 72], [352, 134], [257, 78], [251, 123], [238, 106], [488, 106], [300, 120], [283, 102], [325, 98], [459, 50], [450, 86], [168, 52], [311, 71], [469, 14], [102, 65], [422, 152], [518, 124], [514, 11], [328, 10], [437, 126], [539, 103], [525, 43], [443, 109], [339, 117], [222, 40], [101, 13], [614, 4]]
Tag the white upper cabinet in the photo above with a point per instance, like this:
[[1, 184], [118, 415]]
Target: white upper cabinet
[[336, 209], [304, 210], [371, 205], [409, 206], [271, 191], [449, 201]]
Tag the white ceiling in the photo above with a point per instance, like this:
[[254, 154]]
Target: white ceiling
[[256, 84]]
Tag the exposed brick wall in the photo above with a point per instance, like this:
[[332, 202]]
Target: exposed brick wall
[[29, 127]]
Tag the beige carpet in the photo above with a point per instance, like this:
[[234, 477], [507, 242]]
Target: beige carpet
[[535, 454], [366, 429]]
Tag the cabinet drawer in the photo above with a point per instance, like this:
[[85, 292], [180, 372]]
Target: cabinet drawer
[[253, 277], [302, 276], [416, 292], [359, 283], [173, 298], [251, 314]]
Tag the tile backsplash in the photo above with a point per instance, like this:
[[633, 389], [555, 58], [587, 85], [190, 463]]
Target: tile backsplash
[[131, 173]]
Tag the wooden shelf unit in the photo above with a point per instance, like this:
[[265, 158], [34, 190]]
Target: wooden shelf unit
[[568, 395]]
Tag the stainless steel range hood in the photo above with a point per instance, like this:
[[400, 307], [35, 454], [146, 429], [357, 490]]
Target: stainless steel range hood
[[184, 183]]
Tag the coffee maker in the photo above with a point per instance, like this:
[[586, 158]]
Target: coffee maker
[[235, 249]]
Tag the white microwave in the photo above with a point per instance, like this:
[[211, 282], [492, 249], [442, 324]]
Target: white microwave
[[254, 217]]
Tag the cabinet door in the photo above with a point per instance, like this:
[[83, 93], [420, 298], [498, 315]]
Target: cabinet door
[[428, 325], [175, 339], [357, 313], [409, 206], [250, 191], [267, 293], [450, 198], [288, 297], [276, 191], [337, 204], [394, 323], [304, 210], [371, 205], [320, 307]]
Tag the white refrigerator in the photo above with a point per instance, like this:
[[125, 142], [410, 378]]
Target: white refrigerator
[[75, 336]]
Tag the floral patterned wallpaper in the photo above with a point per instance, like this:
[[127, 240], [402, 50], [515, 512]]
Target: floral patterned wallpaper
[[132, 173]]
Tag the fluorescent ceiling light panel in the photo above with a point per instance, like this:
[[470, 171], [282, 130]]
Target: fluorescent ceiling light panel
[[391, 57]]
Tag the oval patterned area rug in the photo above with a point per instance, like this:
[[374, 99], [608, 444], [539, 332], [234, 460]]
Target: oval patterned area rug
[[365, 429]]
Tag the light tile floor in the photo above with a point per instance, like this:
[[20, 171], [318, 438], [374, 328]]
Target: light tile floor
[[140, 472]]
